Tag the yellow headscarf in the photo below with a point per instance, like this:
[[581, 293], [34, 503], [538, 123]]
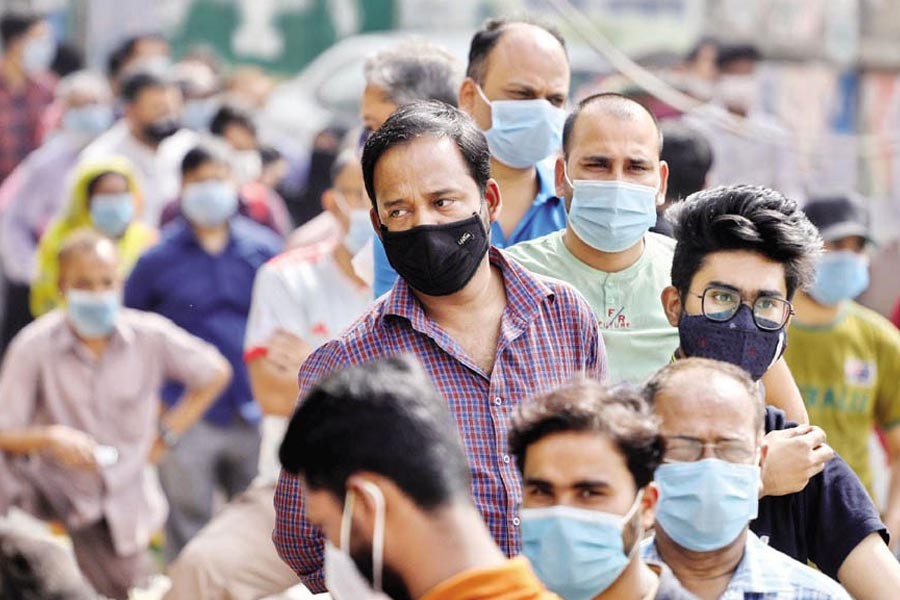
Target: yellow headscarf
[[137, 237]]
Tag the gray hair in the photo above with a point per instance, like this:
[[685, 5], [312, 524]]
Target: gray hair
[[83, 82], [415, 70]]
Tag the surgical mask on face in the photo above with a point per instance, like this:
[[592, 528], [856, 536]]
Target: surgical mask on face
[[38, 54], [93, 314], [359, 232], [611, 216], [342, 577], [840, 275], [577, 553], [88, 121], [112, 213], [209, 203], [704, 505], [737, 341], [523, 132], [198, 114], [437, 260]]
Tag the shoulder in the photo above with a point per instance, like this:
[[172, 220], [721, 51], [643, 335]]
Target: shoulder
[[540, 255], [253, 235], [166, 246], [874, 322], [794, 574], [39, 333], [298, 259]]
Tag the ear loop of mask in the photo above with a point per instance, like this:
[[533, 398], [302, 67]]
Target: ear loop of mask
[[629, 516], [377, 535]]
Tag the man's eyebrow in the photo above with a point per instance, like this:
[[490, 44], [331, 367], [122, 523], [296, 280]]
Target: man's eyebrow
[[392, 203], [745, 293], [591, 484], [538, 482]]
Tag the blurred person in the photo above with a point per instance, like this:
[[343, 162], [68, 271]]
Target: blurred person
[[587, 454], [105, 197], [151, 137], [301, 299], [144, 51], [236, 128], [35, 192], [249, 85], [697, 74], [740, 247], [489, 333], [516, 86], [68, 59], [81, 417], [611, 180], [200, 275], [200, 87], [750, 146], [844, 357], [396, 511], [265, 189], [690, 159], [305, 204], [26, 85], [712, 424], [213, 156]]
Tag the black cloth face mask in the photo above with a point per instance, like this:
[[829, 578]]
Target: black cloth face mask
[[437, 260]]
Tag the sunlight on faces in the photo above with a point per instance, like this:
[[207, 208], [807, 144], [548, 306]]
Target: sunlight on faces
[[377, 106], [526, 63], [427, 182]]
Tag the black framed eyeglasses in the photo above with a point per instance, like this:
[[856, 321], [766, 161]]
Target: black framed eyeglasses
[[770, 313]]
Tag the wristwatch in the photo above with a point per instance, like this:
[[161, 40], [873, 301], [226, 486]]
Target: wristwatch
[[168, 437]]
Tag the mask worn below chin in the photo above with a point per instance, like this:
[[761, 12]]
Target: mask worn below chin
[[209, 203], [840, 275], [342, 578], [437, 260], [157, 131], [704, 505], [523, 132], [737, 341], [611, 216], [577, 553], [112, 213], [93, 314]]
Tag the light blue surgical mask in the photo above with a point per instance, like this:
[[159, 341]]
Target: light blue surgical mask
[[706, 504], [88, 121], [360, 230], [38, 54], [93, 314], [209, 203], [840, 275], [112, 213], [611, 216], [523, 132], [577, 553]]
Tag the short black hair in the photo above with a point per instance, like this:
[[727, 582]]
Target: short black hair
[[200, 155], [383, 417], [122, 53], [704, 41], [16, 23], [136, 83], [619, 413], [690, 158], [743, 217], [269, 154], [487, 37], [730, 53], [616, 102], [96, 179], [429, 118], [230, 114], [33, 567]]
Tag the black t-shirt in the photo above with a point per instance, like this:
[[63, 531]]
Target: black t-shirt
[[824, 522]]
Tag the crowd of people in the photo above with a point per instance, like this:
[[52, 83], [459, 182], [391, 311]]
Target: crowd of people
[[525, 348]]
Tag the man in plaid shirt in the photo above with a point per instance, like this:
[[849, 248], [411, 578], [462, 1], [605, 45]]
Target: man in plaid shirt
[[26, 88], [488, 333]]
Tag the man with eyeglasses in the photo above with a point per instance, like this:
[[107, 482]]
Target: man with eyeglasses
[[741, 253], [709, 482]]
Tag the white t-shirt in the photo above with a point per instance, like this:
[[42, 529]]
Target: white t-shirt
[[303, 292]]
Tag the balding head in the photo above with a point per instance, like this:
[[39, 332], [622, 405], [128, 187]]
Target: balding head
[[88, 261], [615, 106], [505, 36]]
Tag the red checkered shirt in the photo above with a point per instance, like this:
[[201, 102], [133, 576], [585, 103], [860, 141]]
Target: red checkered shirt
[[21, 112], [548, 335]]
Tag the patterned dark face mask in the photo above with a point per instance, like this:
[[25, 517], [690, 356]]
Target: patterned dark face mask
[[737, 341]]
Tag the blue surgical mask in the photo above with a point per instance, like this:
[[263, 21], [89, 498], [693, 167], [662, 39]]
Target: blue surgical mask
[[840, 275], [38, 54], [523, 132], [198, 114], [360, 230], [705, 505], [112, 213], [93, 314], [89, 121], [209, 203], [611, 216], [577, 553]]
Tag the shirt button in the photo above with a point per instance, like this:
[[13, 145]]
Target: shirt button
[[506, 458], [516, 521], [498, 401]]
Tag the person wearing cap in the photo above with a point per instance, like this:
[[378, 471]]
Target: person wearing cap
[[845, 357]]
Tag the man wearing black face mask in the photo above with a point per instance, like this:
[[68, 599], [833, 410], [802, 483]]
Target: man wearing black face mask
[[151, 137], [488, 333]]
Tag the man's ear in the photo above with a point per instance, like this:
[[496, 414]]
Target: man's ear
[[466, 96], [560, 176], [671, 302], [663, 182], [493, 199], [376, 222], [365, 506], [648, 506]]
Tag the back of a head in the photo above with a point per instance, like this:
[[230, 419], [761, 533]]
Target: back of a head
[[415, 70], [16, 23], [743, 217], [136, 83], [486, 38], [381, 417], [690, 158], [588, 406]]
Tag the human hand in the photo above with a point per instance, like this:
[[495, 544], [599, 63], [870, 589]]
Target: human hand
[[793, 457], [287, 351], [71, 447]]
